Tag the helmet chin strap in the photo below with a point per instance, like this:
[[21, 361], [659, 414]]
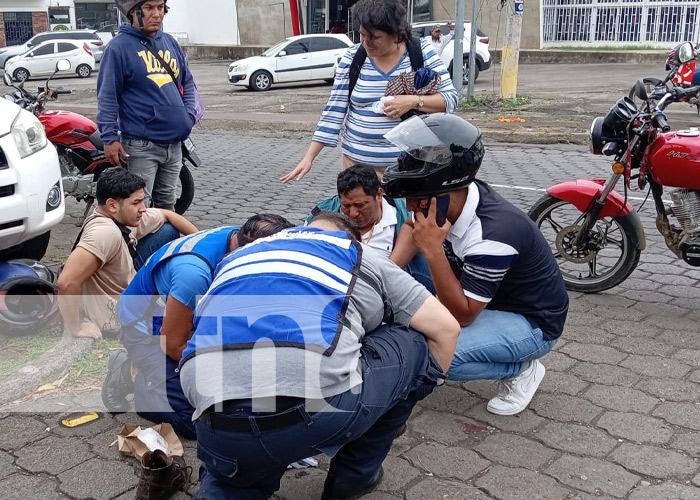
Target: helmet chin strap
[[139, 15]]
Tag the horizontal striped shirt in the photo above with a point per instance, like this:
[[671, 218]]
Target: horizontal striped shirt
[[363, 138]]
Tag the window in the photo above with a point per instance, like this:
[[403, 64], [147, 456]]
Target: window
[[44, 50], [65, 47], [97, 16], [326, 43], [41, 38], [298, 47]]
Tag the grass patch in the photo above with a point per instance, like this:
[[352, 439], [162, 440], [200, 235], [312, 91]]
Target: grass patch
[[20, 350], [92, 366], [493, 102]]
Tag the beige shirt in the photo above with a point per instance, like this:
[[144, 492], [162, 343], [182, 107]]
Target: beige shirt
[[103, 238]]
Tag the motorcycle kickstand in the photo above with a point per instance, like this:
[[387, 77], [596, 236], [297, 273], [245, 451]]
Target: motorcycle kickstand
[[88, 206]]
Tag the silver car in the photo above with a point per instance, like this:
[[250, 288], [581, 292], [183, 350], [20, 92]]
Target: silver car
[[90, 37]]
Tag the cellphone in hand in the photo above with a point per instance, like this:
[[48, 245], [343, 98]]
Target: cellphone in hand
[[443, 203]]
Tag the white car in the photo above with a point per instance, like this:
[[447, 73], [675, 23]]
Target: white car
[[93, 40], [295, 59], [41, 60], [483, 56], [31, 193]]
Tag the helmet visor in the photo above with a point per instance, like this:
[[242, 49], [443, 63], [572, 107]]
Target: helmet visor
[[417, 139]]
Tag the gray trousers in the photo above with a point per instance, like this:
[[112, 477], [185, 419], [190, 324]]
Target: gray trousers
[[159, 165]]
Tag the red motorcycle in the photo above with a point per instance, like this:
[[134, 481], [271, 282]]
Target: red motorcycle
[[80, 148], [596, 235]]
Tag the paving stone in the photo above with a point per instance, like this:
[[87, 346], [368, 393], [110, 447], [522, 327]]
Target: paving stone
[[115, 478], [683, 414], [558, 382], [605, 374], [100, 444], [655, 366], [640, 284], [485, 389], [643, 346], [53, 455], [6, 467], [660, 309], [445, 461], [440, 489], [506, 483], [450, 399], [588, 335], [20, 430], [444, 427], [696, 480], [688, 356], [398, 472], [620, 398], [665, 491], [623, 314], [575, 438], [683, 340], [512, 450], [637, 428], [22, 487], [582, 317], [609, 297], [653, 461], [301, 484], [525, 421], [670, 389], [564, 408], [556, 361], [688, 292], [695, 376], [592, 475], [689, 443], [593, 353]]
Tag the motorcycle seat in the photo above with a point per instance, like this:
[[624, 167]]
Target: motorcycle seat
[[96, 140]]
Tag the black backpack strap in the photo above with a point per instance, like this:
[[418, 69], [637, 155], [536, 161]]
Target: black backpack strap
[[355, 67], [146, 43], [415, 53]]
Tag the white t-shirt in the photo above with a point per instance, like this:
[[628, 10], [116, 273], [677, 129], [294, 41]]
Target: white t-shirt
[[381, 237]]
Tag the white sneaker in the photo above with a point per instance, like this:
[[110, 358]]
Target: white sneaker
[[516, 393]]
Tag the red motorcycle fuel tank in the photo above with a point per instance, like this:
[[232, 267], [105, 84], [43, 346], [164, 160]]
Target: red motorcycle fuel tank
[[66, 127], [674, 159]]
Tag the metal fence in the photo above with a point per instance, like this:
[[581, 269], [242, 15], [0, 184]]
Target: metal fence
[[659, 23]]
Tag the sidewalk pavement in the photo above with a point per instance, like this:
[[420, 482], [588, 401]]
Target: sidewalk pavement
[[617, 415]]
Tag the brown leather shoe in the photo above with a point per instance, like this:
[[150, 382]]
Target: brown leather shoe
[[161, 476]]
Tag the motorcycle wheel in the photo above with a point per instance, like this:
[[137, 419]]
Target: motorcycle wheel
[[185, 190], [586, 271], [650, 84]]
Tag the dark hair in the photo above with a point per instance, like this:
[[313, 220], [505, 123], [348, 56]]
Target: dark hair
[[341, 221], [261, 226], [388, 16], [117, 183], [358, 176]]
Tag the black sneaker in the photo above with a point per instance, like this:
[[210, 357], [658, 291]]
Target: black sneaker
[[118, 383], [345, 490]]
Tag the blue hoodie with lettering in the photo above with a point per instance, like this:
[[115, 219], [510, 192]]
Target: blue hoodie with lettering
[[137, 96]]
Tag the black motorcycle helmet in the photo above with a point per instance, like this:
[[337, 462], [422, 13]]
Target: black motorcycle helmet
[[441, 153], [28, 296], [126, 6]]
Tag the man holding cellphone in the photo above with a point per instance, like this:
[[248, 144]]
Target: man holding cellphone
[[491, 266]]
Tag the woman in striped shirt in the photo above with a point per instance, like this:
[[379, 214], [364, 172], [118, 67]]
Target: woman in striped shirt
[[384, 33]]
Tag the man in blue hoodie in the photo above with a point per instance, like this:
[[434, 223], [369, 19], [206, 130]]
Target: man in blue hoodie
[[153, 107]]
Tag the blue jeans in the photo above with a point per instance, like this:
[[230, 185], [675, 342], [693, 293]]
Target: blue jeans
[[397, 371], [496, 346], [159, 166], [418, 268], [151, 242], [158, 394]]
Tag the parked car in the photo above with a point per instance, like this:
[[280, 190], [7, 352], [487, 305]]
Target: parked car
[[42, 59], [483, 56], [31, 194], [90, 37], [294, 59]]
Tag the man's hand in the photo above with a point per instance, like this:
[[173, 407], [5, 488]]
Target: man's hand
[[427, 234], [114, 151], [90, 330]]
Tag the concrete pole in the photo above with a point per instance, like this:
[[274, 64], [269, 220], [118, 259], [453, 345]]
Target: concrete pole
[[511, 49], [457, 73], [472, 48]]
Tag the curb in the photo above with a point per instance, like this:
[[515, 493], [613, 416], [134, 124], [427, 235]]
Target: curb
[[48, 367]]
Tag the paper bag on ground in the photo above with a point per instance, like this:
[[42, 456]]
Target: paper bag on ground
[[133, 444]]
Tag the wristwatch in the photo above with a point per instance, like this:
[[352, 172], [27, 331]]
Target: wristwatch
[[420, 102]]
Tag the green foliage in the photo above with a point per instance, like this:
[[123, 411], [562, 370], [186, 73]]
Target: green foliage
[[484, 102], [22, 349], [92, 366]]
